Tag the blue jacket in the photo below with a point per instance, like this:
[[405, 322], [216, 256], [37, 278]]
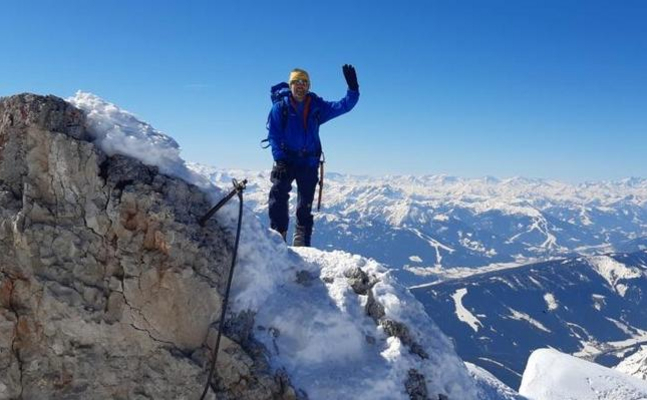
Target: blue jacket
[[299, 142]]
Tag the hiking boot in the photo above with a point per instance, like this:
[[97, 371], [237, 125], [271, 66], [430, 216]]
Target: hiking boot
[[302, 236]]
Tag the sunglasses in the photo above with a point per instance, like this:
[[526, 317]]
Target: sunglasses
[[299, 82]]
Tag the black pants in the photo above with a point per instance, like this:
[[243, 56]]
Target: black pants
[[307, 178]]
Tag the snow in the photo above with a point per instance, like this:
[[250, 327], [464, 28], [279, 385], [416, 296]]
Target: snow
[[551, 375], [489, 386], [635, 365], [463, 313], [448, 274], [433, 243], [117, 131], [588, 350], [519, 316], [640, 336], [441, 217], [599, 301], [319, 331], [311, 322], [551, 303], [539, 224], [502, 280], [613, 272], [629, 331], [491, 361]]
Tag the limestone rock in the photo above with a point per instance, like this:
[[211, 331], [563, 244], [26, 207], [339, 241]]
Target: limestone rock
[[108, 287]]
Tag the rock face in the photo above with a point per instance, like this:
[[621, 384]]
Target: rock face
[[108, 286]]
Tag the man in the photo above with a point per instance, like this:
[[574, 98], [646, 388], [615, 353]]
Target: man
[[294, 136]]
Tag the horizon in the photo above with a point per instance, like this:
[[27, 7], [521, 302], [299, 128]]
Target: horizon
[[431, 175], [552, 90]]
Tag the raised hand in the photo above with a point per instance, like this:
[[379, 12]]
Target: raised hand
[[351, 77]]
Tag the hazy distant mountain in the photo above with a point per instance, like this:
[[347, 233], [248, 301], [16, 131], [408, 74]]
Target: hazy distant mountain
[[592, 307], [419, 225]]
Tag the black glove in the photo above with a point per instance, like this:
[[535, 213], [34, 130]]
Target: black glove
[[351, 77], [280, 171]]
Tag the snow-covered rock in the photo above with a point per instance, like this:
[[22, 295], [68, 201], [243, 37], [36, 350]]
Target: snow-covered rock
[[319, 326]]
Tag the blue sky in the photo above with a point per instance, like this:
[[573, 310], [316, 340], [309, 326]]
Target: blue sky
[[548, 89]]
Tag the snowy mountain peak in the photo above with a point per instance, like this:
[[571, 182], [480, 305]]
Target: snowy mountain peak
[[614, 272], [552, 375]]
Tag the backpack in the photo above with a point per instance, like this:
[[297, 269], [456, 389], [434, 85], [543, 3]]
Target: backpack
[[278, 93]]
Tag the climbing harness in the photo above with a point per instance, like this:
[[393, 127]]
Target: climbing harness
[[237, 190]]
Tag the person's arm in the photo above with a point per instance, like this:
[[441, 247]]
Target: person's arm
[[276, 133], [333, 109]]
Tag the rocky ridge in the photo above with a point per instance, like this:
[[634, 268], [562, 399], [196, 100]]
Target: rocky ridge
[[108, 287]]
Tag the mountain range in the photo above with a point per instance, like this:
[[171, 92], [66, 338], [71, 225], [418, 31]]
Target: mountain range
[[503, 266], [592, 307], [422, 226]]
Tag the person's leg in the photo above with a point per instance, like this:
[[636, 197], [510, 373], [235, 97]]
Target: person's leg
[[278, 201], [307, 178]]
